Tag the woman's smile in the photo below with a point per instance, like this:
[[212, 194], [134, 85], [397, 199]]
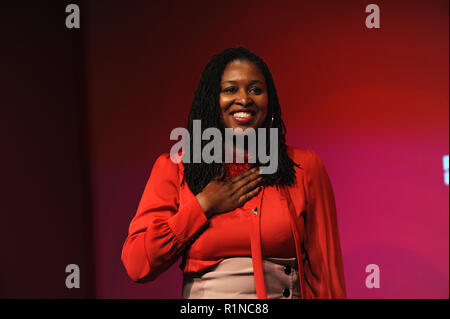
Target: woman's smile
[[243, 117]]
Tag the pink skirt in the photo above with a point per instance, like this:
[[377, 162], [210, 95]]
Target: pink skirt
[[233, 278]]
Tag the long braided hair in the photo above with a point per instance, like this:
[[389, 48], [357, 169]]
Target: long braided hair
[[206, 107]]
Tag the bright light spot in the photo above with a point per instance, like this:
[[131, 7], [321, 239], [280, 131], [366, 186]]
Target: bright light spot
[[445, 166]]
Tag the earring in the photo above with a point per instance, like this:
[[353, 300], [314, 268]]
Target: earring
[[271, 123]]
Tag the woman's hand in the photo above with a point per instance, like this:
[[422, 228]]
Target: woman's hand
[[223, 196]]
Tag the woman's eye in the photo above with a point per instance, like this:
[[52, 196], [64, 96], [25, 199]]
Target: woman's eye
[[230, 90], [255, 90]]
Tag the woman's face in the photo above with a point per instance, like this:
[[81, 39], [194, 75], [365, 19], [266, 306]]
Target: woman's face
[[243, 96]]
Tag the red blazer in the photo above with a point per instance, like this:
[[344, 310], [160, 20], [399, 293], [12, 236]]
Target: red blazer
[[169, 220]]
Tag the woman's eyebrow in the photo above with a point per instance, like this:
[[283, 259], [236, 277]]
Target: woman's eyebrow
[[256, 81], [235, 82], [232, 82]]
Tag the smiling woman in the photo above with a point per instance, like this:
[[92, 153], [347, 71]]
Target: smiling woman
[[236, 90], [243, 99], [241, 234]]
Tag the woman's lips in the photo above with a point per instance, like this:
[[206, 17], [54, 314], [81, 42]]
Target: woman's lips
[[242, 117]]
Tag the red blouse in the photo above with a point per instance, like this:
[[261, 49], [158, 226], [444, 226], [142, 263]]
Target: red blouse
[[228, 235], [297, 221]]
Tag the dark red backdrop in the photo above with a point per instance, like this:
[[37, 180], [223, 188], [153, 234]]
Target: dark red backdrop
[[373, 103]]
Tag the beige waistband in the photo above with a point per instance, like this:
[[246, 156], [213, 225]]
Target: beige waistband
[[233, 278]]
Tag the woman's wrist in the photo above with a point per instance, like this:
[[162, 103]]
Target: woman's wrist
[[204, 205]]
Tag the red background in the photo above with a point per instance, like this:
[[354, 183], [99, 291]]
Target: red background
[[372, 102], [91, 109]]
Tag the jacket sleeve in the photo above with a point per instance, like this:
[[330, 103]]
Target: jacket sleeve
[[161, 228], [325, 274]]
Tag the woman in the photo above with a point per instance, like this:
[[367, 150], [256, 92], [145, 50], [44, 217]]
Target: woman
[[241, 234]]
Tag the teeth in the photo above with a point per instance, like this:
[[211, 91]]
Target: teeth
[[242, 114]]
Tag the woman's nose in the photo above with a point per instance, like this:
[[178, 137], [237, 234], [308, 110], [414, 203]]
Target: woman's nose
[[243, 99]]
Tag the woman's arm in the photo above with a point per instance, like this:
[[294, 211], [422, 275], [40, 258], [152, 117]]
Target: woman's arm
[[325, 274], [161, 229]]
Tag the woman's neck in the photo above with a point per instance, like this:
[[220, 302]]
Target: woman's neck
[[242, 155]]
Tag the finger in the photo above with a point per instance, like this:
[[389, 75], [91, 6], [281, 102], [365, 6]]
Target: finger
[[255, 183], [244, 175], [248, 187], [245, 180], [245, 197]]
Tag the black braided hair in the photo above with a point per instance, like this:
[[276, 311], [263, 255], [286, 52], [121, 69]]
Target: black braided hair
[[206, 107]]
